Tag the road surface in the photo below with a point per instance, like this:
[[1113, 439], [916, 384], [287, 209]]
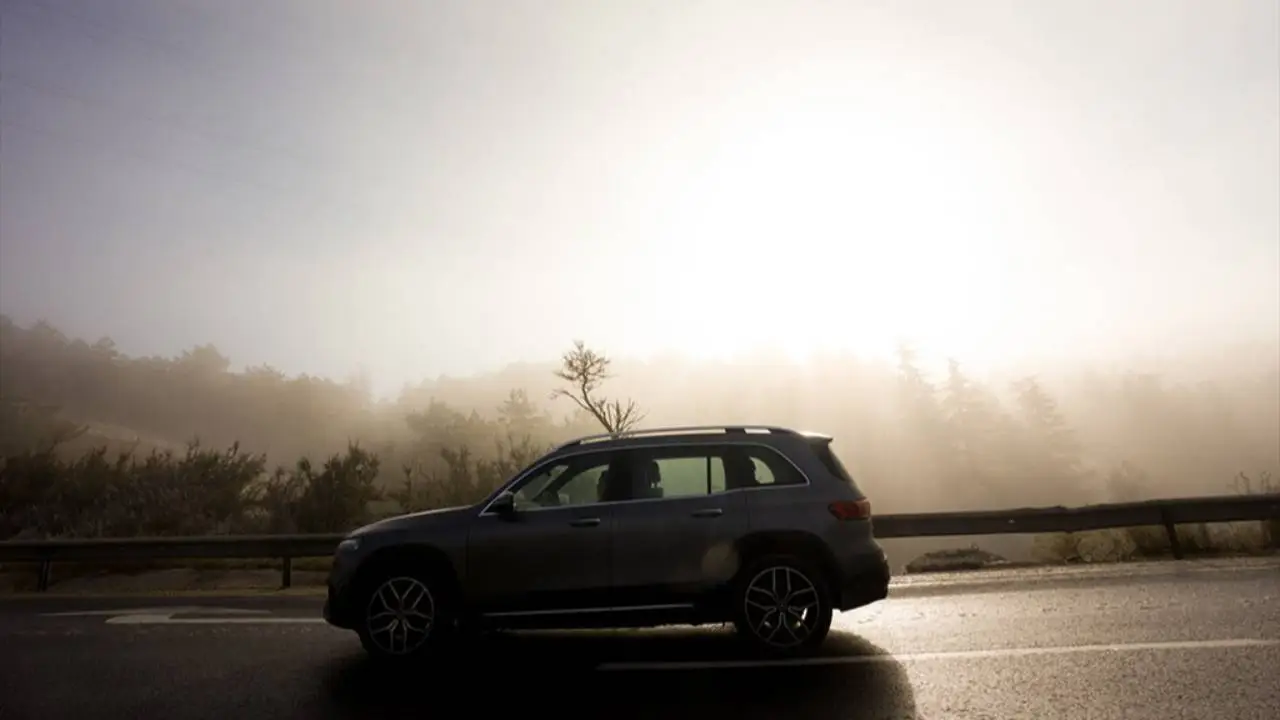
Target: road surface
[[1175, 640]]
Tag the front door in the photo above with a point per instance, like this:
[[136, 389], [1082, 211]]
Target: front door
[[674, 540], [553, 553]]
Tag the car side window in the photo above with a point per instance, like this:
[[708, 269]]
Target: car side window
[[689, 476], [756, 466], [573, 481], [673, 473], [772, 469]]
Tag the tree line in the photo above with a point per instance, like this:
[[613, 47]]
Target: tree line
[[95, 442], [111, 487]]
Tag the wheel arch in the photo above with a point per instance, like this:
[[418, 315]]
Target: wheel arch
[[418, 556], [800, 543]]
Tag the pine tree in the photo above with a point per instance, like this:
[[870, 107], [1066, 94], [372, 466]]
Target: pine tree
[[919, 394], [517, 410], [978, 430], [1051, 451], [924, 454]]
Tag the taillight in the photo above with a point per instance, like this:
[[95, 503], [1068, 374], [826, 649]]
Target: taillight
[[851, 509]]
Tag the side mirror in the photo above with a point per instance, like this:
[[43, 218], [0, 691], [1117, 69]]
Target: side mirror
[[504, 505]]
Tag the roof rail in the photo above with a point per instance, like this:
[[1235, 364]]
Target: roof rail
[[679, 429]]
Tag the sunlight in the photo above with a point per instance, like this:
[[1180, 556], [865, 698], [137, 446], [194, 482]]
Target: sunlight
[[842, 233]]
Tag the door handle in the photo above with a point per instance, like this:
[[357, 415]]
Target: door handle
[[584, 522], [709, 513]]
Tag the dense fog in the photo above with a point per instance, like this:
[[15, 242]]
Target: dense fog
[[919, 434]]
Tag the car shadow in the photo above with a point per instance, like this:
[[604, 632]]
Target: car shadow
[[663, 673]]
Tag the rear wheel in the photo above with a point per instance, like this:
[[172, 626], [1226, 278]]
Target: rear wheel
[[405, 615], [782, 605]]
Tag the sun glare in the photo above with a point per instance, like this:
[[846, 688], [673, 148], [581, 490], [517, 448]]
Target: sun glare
[[840, 236]]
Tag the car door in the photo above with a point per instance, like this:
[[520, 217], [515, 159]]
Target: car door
[[553, 553], [674, 539]]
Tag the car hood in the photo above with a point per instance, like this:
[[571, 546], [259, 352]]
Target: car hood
[[423, 519]]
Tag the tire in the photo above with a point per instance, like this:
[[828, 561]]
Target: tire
[[761, 597], [405, 614]]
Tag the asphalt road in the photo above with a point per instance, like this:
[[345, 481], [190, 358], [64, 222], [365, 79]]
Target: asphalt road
[[1187, 640]]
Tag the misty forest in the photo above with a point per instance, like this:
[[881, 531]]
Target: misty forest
[[94, 442]]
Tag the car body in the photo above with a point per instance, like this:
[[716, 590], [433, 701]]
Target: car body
[[669, 526]]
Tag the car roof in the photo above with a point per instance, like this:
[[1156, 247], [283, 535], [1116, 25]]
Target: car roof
[[688, 433]]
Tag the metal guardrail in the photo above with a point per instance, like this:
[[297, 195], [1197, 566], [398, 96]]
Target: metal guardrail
[[220, 547], [1165, 513]]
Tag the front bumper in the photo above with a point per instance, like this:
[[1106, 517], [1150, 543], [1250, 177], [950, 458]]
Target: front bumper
[[342, 577], [337, 610]]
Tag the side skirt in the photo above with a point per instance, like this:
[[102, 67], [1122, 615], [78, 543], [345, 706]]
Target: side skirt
[[634, 616]]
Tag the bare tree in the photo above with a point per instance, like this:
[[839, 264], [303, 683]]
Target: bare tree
[[585, 370]]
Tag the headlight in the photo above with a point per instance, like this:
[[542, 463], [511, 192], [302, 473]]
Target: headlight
[[349, 545]]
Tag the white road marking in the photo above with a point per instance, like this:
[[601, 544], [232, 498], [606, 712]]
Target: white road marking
[[950, 655], [161, 615], [168, 620], [165, 616], [92, 613], [168, 610]]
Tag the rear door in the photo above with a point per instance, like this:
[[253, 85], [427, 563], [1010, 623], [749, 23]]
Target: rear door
[[673, 538]]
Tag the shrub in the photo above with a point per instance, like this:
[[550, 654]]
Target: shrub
[[467, 479], [304, 500], [161, 493], [198, 492]]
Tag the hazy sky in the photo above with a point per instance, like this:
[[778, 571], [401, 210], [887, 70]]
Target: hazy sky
[[426, 187]]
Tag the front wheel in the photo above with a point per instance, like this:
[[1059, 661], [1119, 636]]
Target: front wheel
[[782, 605], [405, 614]]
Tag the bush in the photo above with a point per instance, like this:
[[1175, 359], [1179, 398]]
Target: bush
[[198, 492], [303, 500], [1264, 485], [1128, 544], [467, 479], [203, 492], [94, 495], [970, 558]]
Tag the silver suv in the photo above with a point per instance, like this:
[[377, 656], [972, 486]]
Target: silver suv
[[759, 526]]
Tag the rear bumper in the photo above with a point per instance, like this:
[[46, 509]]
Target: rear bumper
[[865, 583]]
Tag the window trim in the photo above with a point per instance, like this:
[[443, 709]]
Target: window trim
[[611, 452]]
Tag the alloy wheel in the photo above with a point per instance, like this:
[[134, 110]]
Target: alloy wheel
[[400, 615], [781, 606]]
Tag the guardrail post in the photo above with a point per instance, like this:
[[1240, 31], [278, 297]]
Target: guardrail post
[[46, 569], [1171, 530], [286, 572]]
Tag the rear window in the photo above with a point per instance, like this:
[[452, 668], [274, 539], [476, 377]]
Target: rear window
[[822, 448]]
